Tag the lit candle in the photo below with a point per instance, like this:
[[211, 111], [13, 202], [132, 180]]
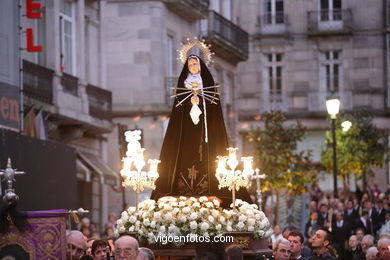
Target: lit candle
[[232, 162], [153, 163], [248, 170]]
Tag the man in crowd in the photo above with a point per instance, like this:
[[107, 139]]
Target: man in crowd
[[282, 249], [341, 232], [296, 240], [99, 250], [145, 254], [76, 245], [126, 248], [367, 242], [233, 252], [383, 248], [320, 242]]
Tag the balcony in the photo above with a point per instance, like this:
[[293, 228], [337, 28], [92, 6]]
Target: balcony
[[191, 10], [100, 102], [38, 82], [273, 24], [329, 22], [69, 84], [227, 40]]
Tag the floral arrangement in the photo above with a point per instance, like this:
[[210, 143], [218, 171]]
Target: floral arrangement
[[180, 216]]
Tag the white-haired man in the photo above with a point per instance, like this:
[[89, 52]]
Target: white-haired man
[[126, 248], [282, 249]]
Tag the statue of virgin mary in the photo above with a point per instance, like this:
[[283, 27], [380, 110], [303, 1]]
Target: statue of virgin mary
[[195, 136]]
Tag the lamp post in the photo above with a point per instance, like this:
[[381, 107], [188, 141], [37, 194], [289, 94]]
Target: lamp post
[[333, 107], [232, 178]]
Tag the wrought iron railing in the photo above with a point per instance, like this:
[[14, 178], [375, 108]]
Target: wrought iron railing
[[170, 82], [100, 102], [273, 18], [330, 20], [69, 84], [228, 31], [38, 82]]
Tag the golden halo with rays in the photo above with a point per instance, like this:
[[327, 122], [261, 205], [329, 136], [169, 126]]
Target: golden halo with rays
[[201, 45]]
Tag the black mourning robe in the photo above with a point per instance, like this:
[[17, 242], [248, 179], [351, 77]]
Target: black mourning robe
[[188, 163]]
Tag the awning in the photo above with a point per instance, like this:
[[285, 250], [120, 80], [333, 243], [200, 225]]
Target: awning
[[89, 162]]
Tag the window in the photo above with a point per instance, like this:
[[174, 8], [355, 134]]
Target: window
[[330, 70], [330, 10], [170, 56], [41, 29], [67, 34], [223, 7], [273, 76], [273, 12]]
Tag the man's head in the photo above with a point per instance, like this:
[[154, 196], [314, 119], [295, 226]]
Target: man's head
[[367, 242], [145, 254], [339, 215], [89, 246], [324, 208], [99, 249], [359, 233], [277, 230], [349, 204], [371, 253], [282, 249], [383, 248], [286, 231], [296, 241], [353, 242], [193, 65], [126, 248], [314, 215], [234, 252], [76, 245], [321, 239]]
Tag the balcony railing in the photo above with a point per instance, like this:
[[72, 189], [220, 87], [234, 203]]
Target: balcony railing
[[38, 82], [100, 102], [271, 24], [69, 84], [170, 82], [189, 9], [228, 40], [330, 21]]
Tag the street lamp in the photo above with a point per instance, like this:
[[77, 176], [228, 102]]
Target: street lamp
[[333, 107]]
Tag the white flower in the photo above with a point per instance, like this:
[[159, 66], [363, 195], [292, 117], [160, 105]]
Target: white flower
[[216, 202], [229, 228], [264, 223], [174, 204], [119, 222], [183, 198], [124, 215], [203, 199], [172, 199], [222, 219], [193, 199], [162, 229], [168, 216], [240, 225], [242, 218], [132, 219], [167, 207], [204, 226], [122, 229], [196, 204], [194, 215], [153, 224], [116, 233], [146, 222], [182, 204], [175, 211], [183, 219], [211, 219], [215, 213], [218, 227], [131, 229], [251, 222], [144, 215], [193, 225], [251, 228], [163, 199], [257, 217], [186, 210], [203, 211], [131, 210], [209, 204], [157, 215]]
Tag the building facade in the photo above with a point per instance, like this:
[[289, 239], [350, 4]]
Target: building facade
[[65, 97], [303, 52]]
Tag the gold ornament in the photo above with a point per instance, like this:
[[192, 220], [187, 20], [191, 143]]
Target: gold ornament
[[201, 45]]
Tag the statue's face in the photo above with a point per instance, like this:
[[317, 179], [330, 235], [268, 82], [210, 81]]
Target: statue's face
[[193, 66]]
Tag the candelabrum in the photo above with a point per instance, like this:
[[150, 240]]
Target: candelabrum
[[133, 164], [232, 178]]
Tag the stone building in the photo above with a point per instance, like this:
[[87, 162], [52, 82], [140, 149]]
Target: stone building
[[65, 97], [303, 52]]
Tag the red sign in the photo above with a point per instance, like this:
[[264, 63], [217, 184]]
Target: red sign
[[30, 13]]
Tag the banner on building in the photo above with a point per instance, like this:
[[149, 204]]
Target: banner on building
[[9, 107]]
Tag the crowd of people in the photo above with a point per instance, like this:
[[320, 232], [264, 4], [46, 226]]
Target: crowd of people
[[354, 226]]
